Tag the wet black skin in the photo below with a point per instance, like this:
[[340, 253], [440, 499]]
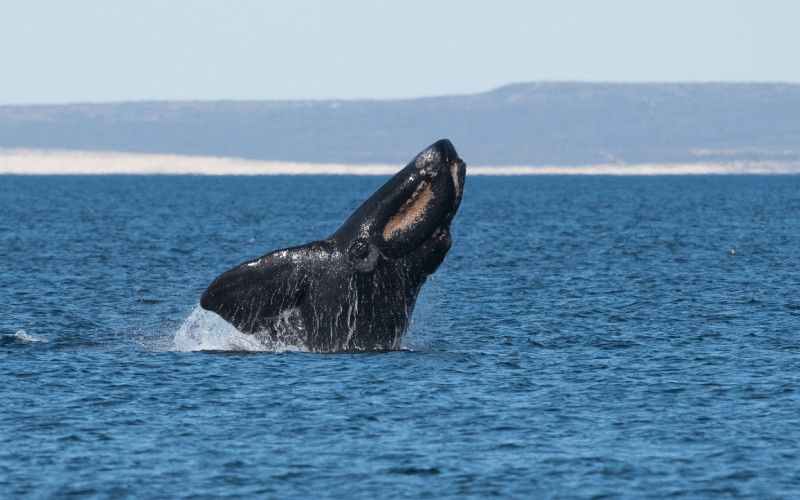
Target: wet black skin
[[356, 289]]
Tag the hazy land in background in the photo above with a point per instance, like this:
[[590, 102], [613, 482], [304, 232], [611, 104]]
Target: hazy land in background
[[525, 128]]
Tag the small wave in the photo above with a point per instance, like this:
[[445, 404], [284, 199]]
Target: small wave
[[205, 331], [415, 471], [22, 337]]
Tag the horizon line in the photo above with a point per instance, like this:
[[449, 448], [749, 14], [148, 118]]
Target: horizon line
[[397, 99]]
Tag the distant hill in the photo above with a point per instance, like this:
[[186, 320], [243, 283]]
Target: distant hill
[[521, 124]]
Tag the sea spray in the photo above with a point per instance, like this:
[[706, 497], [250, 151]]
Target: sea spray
[[205, 331], [22, 337]]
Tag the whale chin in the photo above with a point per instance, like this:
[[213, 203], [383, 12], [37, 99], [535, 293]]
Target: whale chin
[[356, 289]]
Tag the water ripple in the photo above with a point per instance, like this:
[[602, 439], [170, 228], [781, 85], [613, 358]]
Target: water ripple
[[585, 337]]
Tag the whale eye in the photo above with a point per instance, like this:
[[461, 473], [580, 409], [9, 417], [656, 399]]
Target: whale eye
[[358, 250], [362, 255]]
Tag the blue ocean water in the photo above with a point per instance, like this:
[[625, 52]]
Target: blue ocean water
[[586, 336]]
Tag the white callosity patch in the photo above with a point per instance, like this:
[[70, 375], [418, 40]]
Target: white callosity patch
[[456, 181]]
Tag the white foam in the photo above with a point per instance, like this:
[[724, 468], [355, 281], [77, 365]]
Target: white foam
[[205, 331], [23, 336]]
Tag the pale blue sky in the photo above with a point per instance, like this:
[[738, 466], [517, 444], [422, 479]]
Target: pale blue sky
[[68, 51]]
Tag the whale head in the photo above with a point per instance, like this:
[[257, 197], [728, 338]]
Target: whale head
[[410, 213]]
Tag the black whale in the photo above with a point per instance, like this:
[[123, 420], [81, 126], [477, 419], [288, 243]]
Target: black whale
[[356, 289]]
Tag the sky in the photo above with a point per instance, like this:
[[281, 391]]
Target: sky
[[98, 51]]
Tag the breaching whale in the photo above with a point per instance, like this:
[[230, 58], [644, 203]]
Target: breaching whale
[[356, 289]]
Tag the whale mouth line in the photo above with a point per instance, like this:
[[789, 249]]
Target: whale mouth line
[[423, 206], [410, 212]]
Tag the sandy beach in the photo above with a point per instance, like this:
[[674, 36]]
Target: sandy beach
[[77, 162]]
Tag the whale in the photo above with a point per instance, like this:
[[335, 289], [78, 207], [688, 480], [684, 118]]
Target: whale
[[354, 290]]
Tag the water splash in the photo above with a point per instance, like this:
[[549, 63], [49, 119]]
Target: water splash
[[205, 331], [423, 326], [22, 337]]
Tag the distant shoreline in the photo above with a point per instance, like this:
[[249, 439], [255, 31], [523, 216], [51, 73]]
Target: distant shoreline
[[79, 162]]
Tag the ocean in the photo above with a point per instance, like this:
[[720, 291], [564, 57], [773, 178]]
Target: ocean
[[586, 336]]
